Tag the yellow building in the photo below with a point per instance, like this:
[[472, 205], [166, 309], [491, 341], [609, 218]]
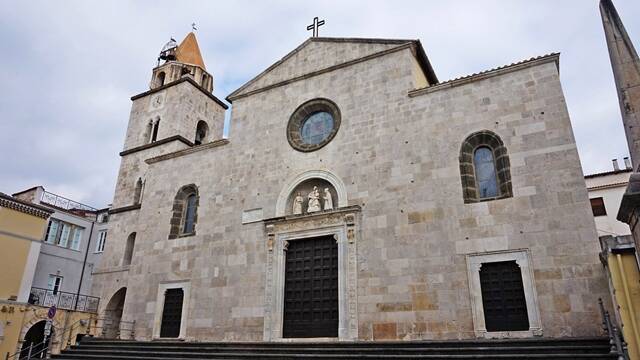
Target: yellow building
[[22, 227], [618, 257]]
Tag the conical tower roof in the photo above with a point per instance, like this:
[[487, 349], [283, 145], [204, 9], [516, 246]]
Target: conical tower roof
[[188, 51]]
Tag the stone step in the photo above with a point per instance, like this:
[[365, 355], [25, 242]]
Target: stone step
[[539, 348], [195, 351], [415, 343]]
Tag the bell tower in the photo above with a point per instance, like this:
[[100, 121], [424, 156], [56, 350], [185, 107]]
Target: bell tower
[[176, 113], [176, 61]]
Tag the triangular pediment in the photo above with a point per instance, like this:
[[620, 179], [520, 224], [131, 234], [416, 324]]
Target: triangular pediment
[[317, 54]]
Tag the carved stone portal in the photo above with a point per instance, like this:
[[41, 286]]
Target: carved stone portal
[[342, 224]]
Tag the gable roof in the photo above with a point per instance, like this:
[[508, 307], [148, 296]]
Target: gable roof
[[314, 57]]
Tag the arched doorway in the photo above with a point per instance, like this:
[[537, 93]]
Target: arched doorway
[[35, 337], [113, 315]]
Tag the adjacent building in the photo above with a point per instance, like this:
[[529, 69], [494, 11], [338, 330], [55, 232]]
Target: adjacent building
[[51, 245], [605, 194], [72, 245]]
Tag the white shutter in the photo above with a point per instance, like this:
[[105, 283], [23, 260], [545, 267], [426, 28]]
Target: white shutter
[[77, 237], [52, 232], [64, 237]]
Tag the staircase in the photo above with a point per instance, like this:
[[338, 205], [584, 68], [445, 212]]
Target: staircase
[[548, 349]]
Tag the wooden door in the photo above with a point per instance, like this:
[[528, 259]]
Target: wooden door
[[311, 288], [503, 299], [172, 313]]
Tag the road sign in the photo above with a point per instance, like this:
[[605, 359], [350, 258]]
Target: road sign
[[52, 312], [47, 327]]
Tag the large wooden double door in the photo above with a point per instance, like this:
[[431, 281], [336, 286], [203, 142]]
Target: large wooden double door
[[311, 288]]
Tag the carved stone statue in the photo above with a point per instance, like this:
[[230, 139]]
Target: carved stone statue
[[297, 204], [314, 200], [328, 200]]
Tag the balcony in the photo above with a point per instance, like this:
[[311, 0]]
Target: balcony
[[64, 300]]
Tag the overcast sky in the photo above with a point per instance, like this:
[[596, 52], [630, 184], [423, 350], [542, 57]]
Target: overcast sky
[[68, 68]]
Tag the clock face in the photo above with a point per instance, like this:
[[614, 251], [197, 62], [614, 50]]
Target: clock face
[[157, 101]]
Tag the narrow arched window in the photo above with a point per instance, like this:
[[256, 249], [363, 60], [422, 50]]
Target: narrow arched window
[[154, 136], [202, 129], [484, 168], [149, 131], [128, 250], [185, 212], [137, 193], [189, 214], [203, 80], [161, 76]]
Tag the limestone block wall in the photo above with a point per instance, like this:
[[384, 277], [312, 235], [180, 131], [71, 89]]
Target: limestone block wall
[[398, 158]]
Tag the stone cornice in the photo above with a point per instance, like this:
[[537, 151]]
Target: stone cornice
[[156, 143], [111, 270], [24, 207], [125, 209], [555, 57], [187, 151], [319, 214], [179, 81]]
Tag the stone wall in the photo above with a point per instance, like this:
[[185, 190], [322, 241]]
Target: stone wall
[[398, 158]]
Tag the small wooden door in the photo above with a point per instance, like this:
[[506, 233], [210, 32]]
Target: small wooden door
[[172, 313], [503, 299], [311, 288]]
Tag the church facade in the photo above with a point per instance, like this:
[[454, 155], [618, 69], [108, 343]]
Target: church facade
[[357, 197]]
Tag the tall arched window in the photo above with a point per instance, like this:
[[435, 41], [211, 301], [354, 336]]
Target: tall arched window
[[185, 212], [202, 129], [154, 135], [128, 250], [161, 77], [485, 171], [148, 132], [189, 214], [484, 168]]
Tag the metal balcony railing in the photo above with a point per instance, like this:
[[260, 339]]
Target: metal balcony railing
[[64, 203], [64, 300]]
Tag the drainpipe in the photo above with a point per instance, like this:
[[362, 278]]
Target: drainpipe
[[84, 263]]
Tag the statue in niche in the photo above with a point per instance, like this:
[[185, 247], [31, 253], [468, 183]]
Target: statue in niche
[[328, 200], [314, 200], [297, 204]]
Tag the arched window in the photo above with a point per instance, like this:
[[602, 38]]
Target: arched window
[[203, 81], [185, 212], [128, 250], [189, 214], [484, 168], [154, 135], [148, 132], [137, 194], [202, 129], [161, 77]]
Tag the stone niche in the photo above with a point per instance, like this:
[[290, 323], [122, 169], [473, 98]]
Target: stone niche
[[304, 189]]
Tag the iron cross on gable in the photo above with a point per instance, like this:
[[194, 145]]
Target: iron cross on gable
[[316, 24]]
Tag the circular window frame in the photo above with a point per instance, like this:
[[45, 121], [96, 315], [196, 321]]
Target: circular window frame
[[302, 113]]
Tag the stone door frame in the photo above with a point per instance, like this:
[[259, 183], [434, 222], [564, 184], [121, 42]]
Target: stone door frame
[[280, 232], [522, 257]]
